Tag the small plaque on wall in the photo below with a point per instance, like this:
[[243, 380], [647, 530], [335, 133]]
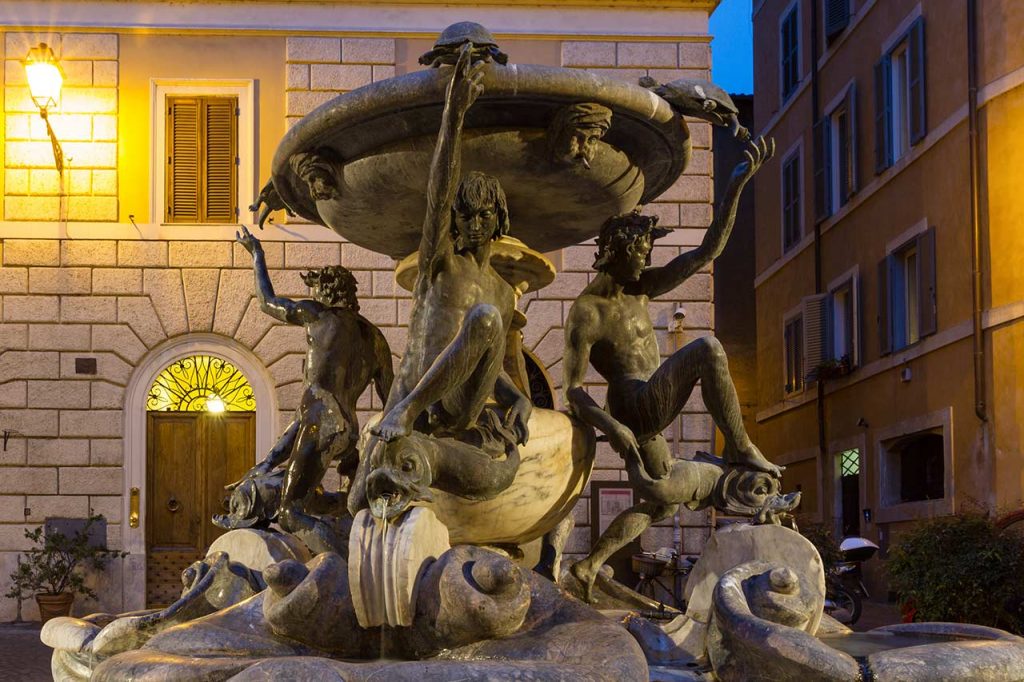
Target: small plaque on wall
[[608, 500]]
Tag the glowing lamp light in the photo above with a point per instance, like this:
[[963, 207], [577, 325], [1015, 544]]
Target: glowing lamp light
[[214, 404], [45, 77]]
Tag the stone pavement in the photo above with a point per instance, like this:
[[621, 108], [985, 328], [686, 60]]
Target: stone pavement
[[23, 658], [875, 614]]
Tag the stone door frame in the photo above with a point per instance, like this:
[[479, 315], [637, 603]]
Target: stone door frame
[[134, 539]]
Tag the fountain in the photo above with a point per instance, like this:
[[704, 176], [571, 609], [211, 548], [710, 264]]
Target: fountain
[[418, 569]]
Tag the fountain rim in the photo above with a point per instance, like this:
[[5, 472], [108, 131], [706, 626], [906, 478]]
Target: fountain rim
[[413, 93]]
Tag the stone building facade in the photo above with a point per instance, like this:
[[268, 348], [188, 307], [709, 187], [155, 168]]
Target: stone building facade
[[90, 271], [867, 247]]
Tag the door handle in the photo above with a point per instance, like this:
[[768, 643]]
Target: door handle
[[173, 505], [133, 508]]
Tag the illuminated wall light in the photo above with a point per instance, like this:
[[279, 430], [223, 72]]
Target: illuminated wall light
[[45, 79], [45, 76], [214, 404]]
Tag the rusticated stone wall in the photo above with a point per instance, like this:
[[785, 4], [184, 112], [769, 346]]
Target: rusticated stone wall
[[85, 123]]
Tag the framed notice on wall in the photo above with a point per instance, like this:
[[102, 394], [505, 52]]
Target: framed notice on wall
[[608, 499]]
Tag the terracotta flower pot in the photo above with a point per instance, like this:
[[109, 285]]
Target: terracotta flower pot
[[54, 605]]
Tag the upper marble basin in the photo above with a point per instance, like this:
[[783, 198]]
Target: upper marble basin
[[380, 139]]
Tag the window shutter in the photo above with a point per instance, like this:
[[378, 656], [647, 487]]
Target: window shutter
[[916, 55], [202, 148], [884, 309], [182, 173], [848, 171], [928, 323], [822, 172], [837, 17], [815, 316], [855, 322], [219, 163], [883, 115]]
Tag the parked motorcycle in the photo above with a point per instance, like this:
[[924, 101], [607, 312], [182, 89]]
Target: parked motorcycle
[[844, 583]]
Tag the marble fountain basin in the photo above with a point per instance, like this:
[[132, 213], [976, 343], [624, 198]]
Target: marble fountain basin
[[377, 143]]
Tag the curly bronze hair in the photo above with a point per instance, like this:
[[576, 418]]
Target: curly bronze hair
[[337, 286], [479, 190], [621, 231]]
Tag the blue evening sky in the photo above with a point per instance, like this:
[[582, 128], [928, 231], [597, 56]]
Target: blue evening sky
[[732, 48]]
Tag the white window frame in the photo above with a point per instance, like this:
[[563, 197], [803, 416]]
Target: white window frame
[[243, 89], [899, 100], [896, 41], [835, 193], [836, 448], [849, 278], [795, 151], [784, 97], [890, 509]]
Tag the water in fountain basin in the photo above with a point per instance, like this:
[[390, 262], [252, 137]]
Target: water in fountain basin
[[863, 644]]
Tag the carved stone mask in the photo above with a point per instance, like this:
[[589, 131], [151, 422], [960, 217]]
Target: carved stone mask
[[575, 131]]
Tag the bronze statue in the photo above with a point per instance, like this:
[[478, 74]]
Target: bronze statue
[[609, 326], [346, 351], [462, 308]]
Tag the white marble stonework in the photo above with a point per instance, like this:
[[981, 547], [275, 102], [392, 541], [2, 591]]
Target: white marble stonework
[[553, 471], [386, 560]]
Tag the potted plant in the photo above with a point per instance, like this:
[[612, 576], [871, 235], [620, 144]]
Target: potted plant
[[833, 368], [52, 570]]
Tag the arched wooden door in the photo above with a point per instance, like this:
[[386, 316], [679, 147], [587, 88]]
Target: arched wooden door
[[200, 436]]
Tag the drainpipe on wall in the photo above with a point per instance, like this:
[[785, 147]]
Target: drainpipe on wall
[[980, 408], [815, 115]]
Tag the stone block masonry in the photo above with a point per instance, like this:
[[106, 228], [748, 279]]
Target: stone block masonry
[[85, 122], [319, 69]]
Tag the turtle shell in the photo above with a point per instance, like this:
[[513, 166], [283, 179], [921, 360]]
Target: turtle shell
[[465, 31]]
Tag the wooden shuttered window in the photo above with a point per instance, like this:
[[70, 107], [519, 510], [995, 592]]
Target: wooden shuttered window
[[837, 17], [927, 309], [883, 114], [202, 160], [896, 283], [822, 169], [915, 53], [903, 124], [789, 53], [847, 152], [815, 334]]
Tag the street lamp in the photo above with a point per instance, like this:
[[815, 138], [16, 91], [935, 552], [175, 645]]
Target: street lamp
[[45, 79]]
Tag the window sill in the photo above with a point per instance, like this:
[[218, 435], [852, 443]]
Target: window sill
[[913, 511]]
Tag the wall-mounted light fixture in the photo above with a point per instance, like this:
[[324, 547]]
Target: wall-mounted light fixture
[[45, 79]]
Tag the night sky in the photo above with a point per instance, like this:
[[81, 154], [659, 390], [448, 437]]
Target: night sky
[[732, 49]]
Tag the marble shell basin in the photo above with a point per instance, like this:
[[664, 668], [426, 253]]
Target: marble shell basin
[[381, 138], [554, 469]]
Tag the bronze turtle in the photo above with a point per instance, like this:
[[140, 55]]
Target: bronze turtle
[[701, 99]]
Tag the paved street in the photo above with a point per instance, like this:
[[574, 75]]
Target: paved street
[[23, 658]]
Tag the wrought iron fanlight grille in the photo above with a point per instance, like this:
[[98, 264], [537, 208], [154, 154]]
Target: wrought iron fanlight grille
[[849, 462], [201, 383]]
